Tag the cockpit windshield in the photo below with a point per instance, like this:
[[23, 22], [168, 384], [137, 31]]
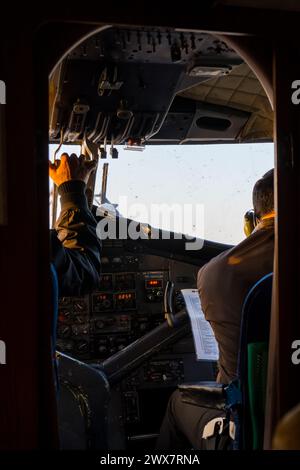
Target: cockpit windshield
[[199, 190]]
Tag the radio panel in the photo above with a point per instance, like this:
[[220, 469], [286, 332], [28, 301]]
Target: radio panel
[[154, 286], [111, 323], [102, 302]]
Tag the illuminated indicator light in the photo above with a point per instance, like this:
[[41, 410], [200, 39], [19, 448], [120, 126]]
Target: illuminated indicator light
[[154, 283], [102, 297], [124, 296]]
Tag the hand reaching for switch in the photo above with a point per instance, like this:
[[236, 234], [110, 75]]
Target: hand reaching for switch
[[71, 168]]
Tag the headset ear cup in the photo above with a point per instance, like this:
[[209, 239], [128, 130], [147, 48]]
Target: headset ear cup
[[249, 222]]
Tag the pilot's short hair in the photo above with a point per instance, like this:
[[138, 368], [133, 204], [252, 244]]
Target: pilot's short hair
[[263, 194]]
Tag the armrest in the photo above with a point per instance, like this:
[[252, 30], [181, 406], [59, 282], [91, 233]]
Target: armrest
[[204, 394]]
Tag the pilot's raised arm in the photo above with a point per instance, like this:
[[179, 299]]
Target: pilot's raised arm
[[75, 247]]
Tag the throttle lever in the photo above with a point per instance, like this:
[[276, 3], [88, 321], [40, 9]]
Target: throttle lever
[[91, 151]]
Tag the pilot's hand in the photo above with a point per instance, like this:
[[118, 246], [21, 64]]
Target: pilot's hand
[[71, 168]]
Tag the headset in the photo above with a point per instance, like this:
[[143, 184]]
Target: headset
[[250, 222]]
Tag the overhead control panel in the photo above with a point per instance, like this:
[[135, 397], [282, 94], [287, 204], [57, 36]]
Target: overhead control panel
[[117, 86]]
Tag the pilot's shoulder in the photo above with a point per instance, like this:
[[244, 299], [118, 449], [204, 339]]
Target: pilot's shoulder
[[209, 272]]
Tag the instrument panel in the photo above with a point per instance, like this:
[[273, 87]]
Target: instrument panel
[[128, 304]]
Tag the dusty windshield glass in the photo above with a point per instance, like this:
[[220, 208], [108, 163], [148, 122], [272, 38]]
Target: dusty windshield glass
[[201, 190]]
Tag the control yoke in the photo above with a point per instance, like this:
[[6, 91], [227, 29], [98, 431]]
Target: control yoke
[[168, 304]]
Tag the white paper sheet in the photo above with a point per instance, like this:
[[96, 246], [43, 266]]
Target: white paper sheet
[[205, 342]]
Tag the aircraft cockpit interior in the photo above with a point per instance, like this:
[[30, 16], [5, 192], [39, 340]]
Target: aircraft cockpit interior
[[149, 238], [135, 95]]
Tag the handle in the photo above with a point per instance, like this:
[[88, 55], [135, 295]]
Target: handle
[[168, 304]]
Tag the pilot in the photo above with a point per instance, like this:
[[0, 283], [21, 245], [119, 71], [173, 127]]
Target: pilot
[[75, 248], [223, 284]]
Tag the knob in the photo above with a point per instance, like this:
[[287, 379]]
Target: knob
[[100, 324], [106, 303], [64, 332], [82, 346]]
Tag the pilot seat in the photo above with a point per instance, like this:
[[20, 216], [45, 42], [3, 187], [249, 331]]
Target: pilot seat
[[242, 402]]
